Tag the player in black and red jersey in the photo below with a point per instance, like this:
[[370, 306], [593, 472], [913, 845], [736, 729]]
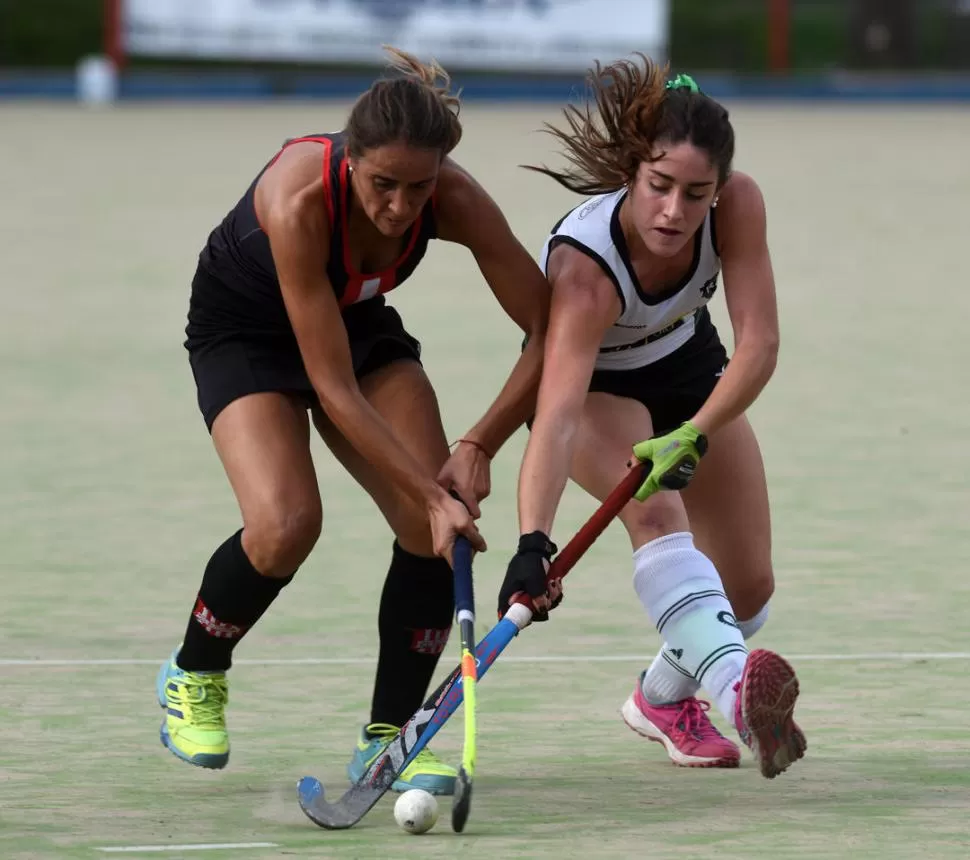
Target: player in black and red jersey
[[288, 322]]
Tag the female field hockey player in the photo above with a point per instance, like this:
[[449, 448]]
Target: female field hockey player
[[288, 317], [631, 354]]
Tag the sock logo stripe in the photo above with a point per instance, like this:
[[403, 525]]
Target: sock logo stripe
[[685, 602], [714, 656], [675, 665], [213, 626], [429, 640]]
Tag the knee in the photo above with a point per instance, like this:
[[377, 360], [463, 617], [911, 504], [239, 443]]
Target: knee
[[277, 541], [658, 516]]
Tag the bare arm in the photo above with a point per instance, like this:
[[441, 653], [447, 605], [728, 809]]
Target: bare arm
[[292, 207], [469, 216], [584, 306], [749, 289]]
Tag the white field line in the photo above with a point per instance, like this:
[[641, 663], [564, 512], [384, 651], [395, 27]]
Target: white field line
[[886, 656], [205, 846]]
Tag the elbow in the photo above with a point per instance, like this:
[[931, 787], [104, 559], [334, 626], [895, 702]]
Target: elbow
[[535, 342], [535, 331], [556, 430], [338, 403], [537, 316], [557, 421], [766, 349], [533, 351], [761, 346], [539, 323], [770, 351]]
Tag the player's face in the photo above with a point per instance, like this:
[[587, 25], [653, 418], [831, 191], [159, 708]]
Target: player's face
[[393, 183], [671, 196]]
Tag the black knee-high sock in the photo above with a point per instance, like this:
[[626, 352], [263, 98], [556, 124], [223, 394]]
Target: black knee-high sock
[[232, 598], [417, 606]]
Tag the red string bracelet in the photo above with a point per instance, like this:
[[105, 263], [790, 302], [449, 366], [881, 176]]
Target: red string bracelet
[[478, 445]]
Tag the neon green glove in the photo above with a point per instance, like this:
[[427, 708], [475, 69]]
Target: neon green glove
[[674, 455]]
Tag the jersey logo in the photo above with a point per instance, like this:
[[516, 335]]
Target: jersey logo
[[709, 287], [589, 207]]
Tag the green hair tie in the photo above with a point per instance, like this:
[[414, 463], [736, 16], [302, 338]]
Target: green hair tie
[[683, 82]]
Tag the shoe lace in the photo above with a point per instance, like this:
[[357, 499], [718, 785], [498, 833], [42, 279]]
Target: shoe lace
[[426, 757], [386, 732], [207, 695], [692, 720]]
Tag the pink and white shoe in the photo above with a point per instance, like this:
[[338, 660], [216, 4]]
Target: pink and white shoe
[[685, 730], [763, 713]]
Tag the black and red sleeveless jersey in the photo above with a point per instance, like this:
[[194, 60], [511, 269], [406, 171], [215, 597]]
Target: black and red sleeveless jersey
[[238, 252]]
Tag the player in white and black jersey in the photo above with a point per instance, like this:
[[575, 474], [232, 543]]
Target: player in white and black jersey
[[631, 355]]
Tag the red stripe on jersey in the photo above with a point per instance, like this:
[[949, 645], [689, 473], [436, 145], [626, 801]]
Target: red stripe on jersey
[[327, 192], [355, 283], [355, 279], [327, 148]]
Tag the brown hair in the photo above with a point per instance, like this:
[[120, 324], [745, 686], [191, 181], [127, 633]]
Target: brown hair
[[415, 107], [633, 111]]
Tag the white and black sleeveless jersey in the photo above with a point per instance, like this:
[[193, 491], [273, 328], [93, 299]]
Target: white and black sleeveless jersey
[[649, 327]]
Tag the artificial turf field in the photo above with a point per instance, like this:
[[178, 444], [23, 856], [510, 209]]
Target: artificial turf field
[[112, 500]]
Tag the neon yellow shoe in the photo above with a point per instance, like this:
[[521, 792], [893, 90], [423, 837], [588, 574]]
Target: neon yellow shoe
[[194, 727], [427, 771]]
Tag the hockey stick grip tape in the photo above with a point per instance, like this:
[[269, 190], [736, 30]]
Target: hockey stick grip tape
[[462, 561]]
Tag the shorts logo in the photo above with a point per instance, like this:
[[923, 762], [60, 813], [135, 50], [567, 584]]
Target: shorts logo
[[429, 640], [212, 625], [728, 618]]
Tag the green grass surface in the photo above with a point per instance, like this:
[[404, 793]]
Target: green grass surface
[[112, 500]]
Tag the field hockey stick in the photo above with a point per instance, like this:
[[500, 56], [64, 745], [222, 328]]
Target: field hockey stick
[[357, 801], [465, 612], [573, 551]]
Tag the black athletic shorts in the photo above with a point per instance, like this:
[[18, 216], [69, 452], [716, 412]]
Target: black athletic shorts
[[231, 360], [676, 386]]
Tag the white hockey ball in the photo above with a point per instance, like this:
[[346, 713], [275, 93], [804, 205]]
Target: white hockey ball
[[416, 811]]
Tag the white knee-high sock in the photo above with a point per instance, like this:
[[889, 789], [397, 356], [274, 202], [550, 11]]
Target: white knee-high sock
[[662, 684], [682, 593]]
